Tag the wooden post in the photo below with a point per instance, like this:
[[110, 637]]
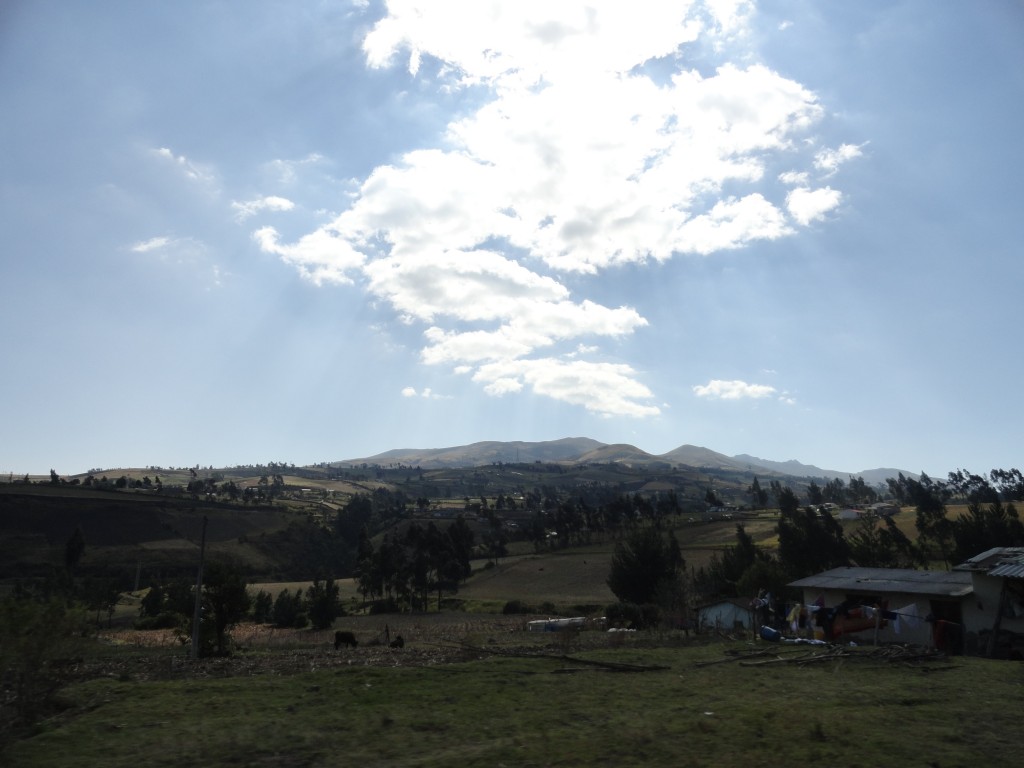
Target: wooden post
[[878, 622], [199, 595]]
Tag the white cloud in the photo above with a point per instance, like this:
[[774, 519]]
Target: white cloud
[[153, 244], [794, 178], [287, 171], [829, 160], [577, 162], [520, 43], [269, 203], [319, 256], [190, 169], [468, 285], [426, 394], [808, 205], [717, 389], [604, 388]]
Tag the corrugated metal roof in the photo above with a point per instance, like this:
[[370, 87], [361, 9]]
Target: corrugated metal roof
[[998, 561], [881, 580], [1011, 565]]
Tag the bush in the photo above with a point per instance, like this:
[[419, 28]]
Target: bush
[[517, 606], [288, 610], [384, 606], [633, 616], [37, 639], [262, 607], [164, 620]]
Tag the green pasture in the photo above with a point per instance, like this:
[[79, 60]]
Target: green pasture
[[549, 711]]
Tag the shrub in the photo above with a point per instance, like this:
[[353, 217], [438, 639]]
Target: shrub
[[288, 610], [163, 620], [627, 615], [37, 639], [516, 606], [262, 607], [384, 606]]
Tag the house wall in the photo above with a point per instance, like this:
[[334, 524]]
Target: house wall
[[980, 611], [905, 631], [724, 616]]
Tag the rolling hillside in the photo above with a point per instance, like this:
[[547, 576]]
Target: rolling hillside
[[582, 450]]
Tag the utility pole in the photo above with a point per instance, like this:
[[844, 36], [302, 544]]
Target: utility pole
[[199, 595]]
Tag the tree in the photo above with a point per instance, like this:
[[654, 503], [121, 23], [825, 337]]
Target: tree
[[879, 543], [758, 495], [73, 550], [787, 500], [288, 610], [725, 572], [983, 528], [814, 494], [322, 603], [225, 601], [645, 567], [809, 542], [262, 607]]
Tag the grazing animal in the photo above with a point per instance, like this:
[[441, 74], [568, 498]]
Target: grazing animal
[[398, 642], [345, 638]]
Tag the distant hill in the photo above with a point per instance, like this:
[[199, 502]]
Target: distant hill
[[488, 452], [582, 450], [696, 456], [795, 468]]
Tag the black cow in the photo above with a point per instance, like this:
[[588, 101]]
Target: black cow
[[346, 639]]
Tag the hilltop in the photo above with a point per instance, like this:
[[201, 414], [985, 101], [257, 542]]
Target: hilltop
[[272, 518], [583, 450]]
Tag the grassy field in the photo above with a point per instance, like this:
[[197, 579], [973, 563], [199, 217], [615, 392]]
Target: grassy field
[[437, 703], [476, 689]]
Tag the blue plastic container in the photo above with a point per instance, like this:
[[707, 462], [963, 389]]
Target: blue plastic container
[[767, 633]]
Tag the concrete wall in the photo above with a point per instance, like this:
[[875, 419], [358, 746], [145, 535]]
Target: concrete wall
[[980, 609], [724, 616], [907, 630]]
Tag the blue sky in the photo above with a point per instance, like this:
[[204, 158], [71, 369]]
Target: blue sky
[[239, 233]]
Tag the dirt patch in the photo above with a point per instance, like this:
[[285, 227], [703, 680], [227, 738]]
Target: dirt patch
[[429, 640]]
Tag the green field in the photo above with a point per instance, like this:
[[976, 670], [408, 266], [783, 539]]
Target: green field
[[471, 686], [436, 703]]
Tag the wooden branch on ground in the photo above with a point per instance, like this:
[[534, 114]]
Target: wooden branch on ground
[[612, 666]]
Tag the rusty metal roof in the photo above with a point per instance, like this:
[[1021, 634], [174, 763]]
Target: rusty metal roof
[[888, 580]]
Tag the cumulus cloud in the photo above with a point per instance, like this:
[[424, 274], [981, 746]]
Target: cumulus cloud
[[578, 161], [808, 205], [608, 389], [717, 389], [249, 208], [829, 160], [319, 256], [800, 178]]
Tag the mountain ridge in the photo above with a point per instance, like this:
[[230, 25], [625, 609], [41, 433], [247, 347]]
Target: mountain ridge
[[584, 450]]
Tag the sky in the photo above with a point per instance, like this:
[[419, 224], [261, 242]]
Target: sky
[[237, 233]]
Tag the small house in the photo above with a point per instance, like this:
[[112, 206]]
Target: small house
[[727, 615], [895, 605], [995, 615]]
